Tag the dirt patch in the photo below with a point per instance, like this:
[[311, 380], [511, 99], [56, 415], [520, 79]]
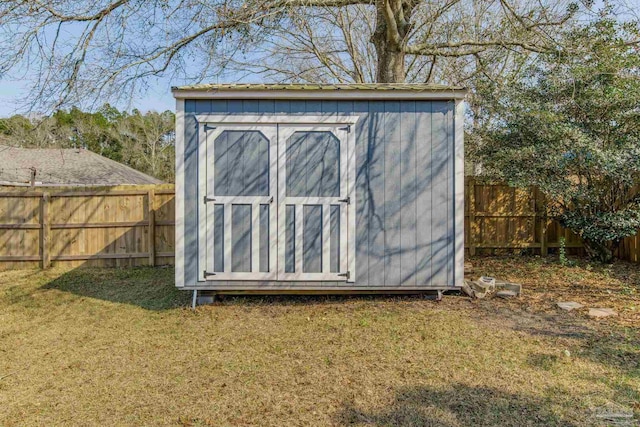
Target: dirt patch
[[545, 282]]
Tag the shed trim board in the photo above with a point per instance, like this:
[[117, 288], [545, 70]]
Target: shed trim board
[[320, 94], [232, 119], [401, 168], [458, 185], [180, 195]]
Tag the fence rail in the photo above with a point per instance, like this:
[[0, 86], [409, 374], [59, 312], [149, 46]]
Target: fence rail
[[128, 226]]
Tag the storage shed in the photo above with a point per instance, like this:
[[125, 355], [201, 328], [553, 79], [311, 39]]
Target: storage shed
[[319, 188]]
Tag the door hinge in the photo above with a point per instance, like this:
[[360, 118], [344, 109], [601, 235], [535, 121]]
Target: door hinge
[[207, 127], [347, 128], [347, 274], [206, 273], [208, 199], [346, 200]]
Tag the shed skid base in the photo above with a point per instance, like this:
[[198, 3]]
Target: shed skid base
[[274, 290], [208, 296]]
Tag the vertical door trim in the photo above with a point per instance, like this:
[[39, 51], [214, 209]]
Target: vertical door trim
[[203, 214], [350, 231]]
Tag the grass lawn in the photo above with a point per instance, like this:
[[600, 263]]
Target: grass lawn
[[120, 347]]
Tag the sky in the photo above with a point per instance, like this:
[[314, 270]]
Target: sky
[[157, 98]]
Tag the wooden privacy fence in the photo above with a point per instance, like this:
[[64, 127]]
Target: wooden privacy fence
[[110, 227], [499, 217], [134, 225], [503, 218]]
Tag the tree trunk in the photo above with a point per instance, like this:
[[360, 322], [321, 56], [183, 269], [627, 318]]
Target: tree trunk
[[390, 62], [599, 251], [389, 39]]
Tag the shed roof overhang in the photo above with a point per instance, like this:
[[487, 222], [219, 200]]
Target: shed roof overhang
[[377, 91]]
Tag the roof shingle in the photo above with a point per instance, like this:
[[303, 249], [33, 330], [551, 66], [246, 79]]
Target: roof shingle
[[70, 166]]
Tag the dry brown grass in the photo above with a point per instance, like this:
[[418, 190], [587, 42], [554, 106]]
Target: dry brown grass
[[119, 347]]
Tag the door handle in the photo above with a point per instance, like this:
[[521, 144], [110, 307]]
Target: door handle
[[346, 200]]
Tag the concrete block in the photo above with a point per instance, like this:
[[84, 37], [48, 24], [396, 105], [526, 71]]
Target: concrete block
[[508, 286], [569, 305], [466, 288], [480, 288], [598, 313], [506, 294], [489, 281]]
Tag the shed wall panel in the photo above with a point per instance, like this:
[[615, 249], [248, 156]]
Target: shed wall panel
[[375, 188], [423, 193], [363, 199], [407, 192], [403, 188], [393, 123]]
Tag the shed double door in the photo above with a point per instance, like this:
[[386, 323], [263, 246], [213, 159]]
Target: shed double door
[[276, 202]]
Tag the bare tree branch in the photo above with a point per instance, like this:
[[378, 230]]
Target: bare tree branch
[[87, 50]]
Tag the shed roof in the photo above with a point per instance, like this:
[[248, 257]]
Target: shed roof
[[65, 166], [303, 90]]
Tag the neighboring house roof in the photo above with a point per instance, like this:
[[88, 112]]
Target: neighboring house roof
[[300, 90], [65, 166]]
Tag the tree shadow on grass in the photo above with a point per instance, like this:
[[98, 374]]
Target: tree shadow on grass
[[146, 287], [154, 289], [605, 343], [608, 345], [460, 405]]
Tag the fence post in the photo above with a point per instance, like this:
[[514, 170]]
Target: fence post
[[45, 232], [151, 196], [471, 189], [544, 248]]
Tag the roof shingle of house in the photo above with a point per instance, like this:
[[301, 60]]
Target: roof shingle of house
[[65, 166]]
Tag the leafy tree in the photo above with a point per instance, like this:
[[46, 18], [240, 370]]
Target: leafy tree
[[15, 124], [571, 127], [148, 142], [142, 141], [87, 130]]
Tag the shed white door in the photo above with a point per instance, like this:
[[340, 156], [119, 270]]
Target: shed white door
[[241, 213], [312, 202], [276, 202]]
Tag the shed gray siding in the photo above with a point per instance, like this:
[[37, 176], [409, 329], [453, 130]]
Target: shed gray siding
[[404, 188]]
